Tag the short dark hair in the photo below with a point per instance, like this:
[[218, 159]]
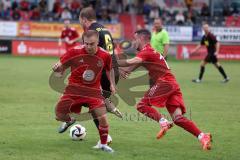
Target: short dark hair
[[146, 33], [88, 13], [90, 33]]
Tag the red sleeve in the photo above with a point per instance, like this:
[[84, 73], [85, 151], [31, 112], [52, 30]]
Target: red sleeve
[[62, 36], [108, 62], [75, 34], [142, 55]]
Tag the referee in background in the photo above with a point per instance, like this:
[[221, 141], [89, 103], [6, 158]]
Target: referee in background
[[213, 47], [160, 38]]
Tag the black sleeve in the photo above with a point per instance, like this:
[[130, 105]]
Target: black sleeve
[[202, 41]]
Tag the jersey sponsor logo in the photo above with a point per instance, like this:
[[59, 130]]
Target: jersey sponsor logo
[[101, 29], [206, 43]]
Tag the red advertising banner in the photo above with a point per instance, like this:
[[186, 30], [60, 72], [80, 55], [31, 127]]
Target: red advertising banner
[[37, 48], [228, 52]]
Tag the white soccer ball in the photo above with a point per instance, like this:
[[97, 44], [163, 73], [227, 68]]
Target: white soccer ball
[[77, 132]]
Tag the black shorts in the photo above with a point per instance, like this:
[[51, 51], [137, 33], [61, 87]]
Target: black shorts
[[105, 83], [211, 59]]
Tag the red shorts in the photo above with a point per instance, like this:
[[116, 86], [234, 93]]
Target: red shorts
[[164, 94], [68, 104]]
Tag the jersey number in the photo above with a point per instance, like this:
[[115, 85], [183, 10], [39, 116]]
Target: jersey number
[[109, 44], [161, 57]]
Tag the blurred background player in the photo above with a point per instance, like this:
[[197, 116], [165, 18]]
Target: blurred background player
[[164, 92], [84, 84], [88, 21], [213, 47], [69, 35], [160, 38]]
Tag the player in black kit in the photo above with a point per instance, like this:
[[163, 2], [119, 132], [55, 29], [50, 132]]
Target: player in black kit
[[213, 46]]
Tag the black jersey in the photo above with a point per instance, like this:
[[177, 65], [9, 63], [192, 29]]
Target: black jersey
[[209, 41], [105, 37], [105, 41]]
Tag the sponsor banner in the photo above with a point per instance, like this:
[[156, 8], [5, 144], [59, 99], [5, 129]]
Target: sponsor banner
[[53, 30], [179, 33], [36, 29], [227, 34], [223, 34], [8, 28], [5, 46], [228, 52], [37, 48], [180, 4], [115, 30]]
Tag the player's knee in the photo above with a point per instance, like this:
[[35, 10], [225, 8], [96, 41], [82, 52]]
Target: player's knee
[[140, 106], [62, 109], [177, 119]]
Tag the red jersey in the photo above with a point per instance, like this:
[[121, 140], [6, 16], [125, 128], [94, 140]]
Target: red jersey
[[156, 65], [70, 34], [86, 70]]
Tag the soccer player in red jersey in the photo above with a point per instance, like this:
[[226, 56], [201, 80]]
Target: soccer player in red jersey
[[164, 92], [86, 64], [69, 35]]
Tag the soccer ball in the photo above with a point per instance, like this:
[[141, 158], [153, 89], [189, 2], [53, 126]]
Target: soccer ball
[[77, 132]]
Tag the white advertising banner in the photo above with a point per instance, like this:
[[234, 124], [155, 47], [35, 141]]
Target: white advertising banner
[[227, 34], [180, 33], [8, 28]]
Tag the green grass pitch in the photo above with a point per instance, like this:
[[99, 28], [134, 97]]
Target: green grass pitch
[[28, 127]]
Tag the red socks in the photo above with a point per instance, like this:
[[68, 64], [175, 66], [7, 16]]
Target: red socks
[[103, 133], [187, 125], [149, 112]]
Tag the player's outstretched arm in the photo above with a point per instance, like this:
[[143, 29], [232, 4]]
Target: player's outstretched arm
[[129, 62], [196, 49]]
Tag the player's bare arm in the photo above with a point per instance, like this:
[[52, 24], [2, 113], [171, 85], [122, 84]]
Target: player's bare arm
[[196, 49], [165, 52], [217, 48], [129, 62], [125, 71]]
